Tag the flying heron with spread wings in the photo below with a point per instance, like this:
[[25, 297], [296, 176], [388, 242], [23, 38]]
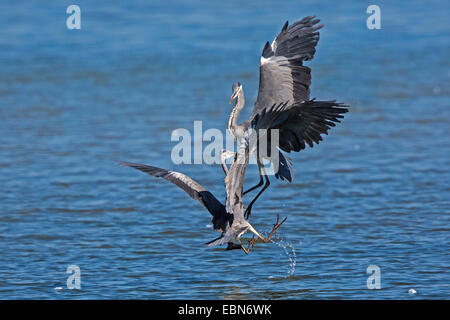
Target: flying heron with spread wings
[[283, 101], [228, 219]]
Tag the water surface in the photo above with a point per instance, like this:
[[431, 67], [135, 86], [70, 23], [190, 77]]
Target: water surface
[[375, 191]]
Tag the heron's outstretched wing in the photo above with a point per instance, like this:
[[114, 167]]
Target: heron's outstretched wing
[[283, 78], [192, 188], [303, 123]]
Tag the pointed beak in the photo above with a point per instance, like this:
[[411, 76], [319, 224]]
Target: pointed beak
[[233, 96], [256, 233]]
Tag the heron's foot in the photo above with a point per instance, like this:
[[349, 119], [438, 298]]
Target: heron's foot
[[275, 228], [250, 245]]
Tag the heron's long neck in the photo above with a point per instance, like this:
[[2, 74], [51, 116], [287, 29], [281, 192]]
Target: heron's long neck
[[238, 106]]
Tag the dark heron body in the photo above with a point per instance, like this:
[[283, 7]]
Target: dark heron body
[[283, 101]]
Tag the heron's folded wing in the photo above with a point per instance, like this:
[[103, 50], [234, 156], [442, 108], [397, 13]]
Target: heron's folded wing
[[191, 187], [234, 181], [283, 78]]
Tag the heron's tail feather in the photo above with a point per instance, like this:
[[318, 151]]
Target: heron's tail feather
[[285, 170]]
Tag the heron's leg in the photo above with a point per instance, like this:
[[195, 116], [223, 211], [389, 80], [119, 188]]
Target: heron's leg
[[250, 245], [267, 239], [260, 183], [275, 227], [248, 211], [274, 230], [233, 246]]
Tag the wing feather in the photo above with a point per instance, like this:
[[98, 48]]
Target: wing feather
[[306, 122], [192, 188], [283, 78]]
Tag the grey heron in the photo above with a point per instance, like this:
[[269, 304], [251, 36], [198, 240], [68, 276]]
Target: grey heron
[[283, 101], [228, 219]]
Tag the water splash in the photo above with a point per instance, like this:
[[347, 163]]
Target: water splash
[[289, 250]]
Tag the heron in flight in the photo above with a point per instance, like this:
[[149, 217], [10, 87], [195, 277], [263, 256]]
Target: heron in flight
[[228, 219], [283, 101]]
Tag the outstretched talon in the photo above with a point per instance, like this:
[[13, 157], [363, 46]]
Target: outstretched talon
[[267, 239], [275, 227]]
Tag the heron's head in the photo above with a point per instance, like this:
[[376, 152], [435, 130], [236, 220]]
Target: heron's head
[[225, 154], [237, 87]]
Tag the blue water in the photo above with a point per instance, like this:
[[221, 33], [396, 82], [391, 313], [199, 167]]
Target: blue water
[[375, 192]]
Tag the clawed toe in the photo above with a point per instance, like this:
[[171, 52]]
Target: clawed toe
[[275, 227]]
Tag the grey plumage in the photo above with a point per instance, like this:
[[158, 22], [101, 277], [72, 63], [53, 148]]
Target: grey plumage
[[220, 216], [283, 78], [229, 219], [283, 100], [301, 123], [283, 103], [234, 182]]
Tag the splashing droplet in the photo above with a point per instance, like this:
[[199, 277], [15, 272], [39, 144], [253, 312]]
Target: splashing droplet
[[289, 250]]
